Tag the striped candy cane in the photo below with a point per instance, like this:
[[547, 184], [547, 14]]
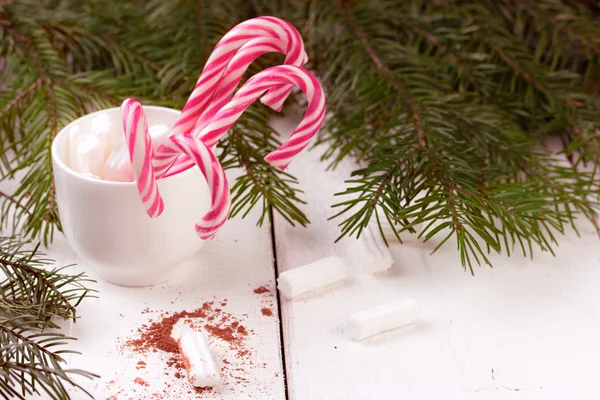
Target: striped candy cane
[[140, 149], [263, 27], [233, 74], [253, 89], [218, 186], [224, 52], [231, 78]]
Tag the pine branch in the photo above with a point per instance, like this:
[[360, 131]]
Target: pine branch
[[416, 114], [446, 106], [21, 97], [14, 201], [463, 166], [52, 290], [453, 57], [31, 358]]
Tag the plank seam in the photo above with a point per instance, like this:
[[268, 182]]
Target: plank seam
[[279, 308]]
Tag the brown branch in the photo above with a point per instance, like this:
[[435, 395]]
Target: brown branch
[[23, 43], [39, 274], [22, 95], [527, 172], [46, 80], [384, 181], [53, 115], [387, 74], [527, 76], [14, 201], [87, 90], [558, 18], [578, 38], [520, 71], [33, 343], [248, 167], [433, 40], [104, 41], [449, 188], [569, 157], [26, 366]]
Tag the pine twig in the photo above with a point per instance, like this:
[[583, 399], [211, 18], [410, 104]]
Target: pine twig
[[21, 96], [433, 40], [523, 4], [31, 360], [381, 67], [14, 201], [593, 219], [525, 74], [16, 332], [39, 275]]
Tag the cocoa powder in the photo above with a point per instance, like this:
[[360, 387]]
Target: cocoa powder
[[140, 381], [157, 335], [153, 341], [266, 312], [261, 290]]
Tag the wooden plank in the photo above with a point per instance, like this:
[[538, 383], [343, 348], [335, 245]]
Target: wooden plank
[[525, 329], [227, 271]]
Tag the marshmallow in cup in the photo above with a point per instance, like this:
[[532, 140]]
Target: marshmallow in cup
[[88, 149], [118, 165], [105, 221], [101, 151]]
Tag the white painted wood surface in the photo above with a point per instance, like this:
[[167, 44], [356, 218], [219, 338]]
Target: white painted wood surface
[[524, 330], [230, 267]]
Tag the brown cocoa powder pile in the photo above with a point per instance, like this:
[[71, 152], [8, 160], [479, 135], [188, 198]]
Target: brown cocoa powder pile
[[261, 290], [266, 312], [157, 335], [140, 381]]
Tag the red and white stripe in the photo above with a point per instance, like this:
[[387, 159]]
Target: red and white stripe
[[184, 143], [224, 52], [231, 78], [253, 89], [139, 144], [233, 74]]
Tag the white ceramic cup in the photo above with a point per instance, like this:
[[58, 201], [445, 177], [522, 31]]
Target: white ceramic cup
[[106, 223]]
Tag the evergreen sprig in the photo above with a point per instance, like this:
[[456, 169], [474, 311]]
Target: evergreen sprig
[[43, 50], [31, 296], [446, 104], [451, 104]]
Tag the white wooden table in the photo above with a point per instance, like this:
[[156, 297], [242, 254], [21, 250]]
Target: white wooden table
[[523, 330]]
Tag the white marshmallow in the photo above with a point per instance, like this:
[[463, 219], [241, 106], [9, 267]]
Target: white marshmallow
[[198, 362], [107, 132], [311, 277], [118, 165], [374, 320], [86, 153], [158, 133], [381, 259]]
